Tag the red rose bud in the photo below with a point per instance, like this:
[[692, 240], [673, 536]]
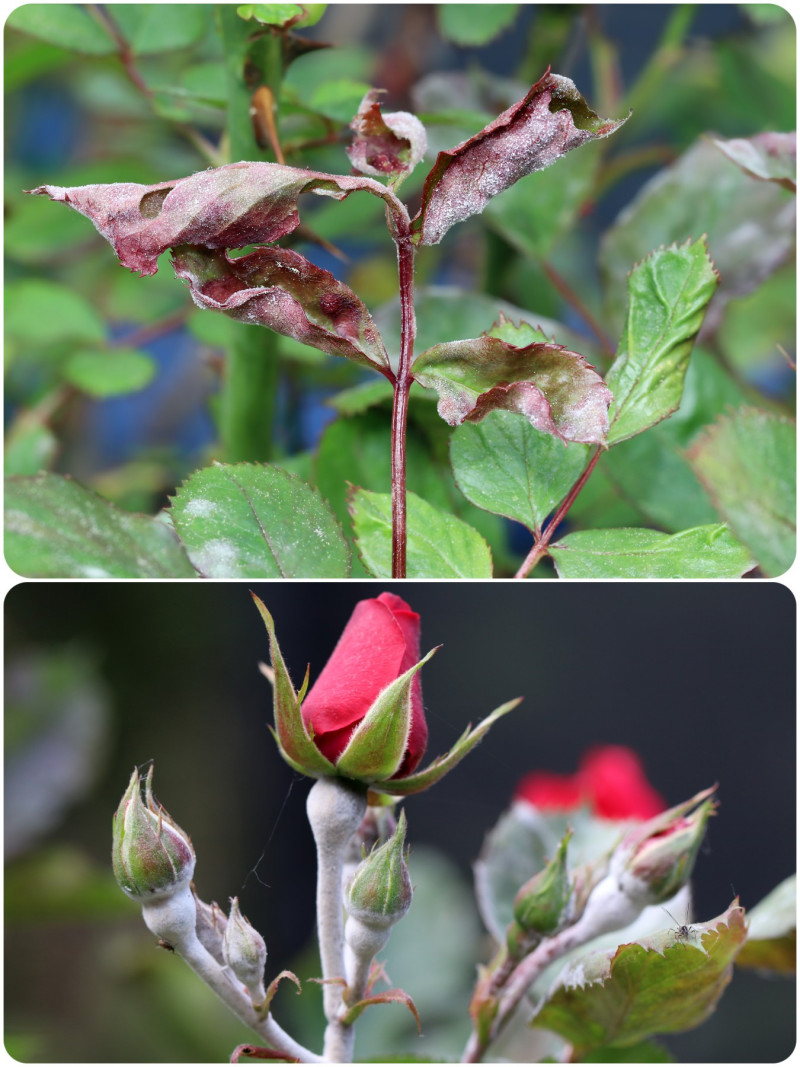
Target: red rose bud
[[380, 643], [540, 904], [151, 856], [655, 859], [610, 781]]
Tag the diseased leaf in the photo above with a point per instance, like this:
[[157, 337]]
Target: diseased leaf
[[385, 145], [548, 122], [504, 465], [772, 931], [772, 157], [439, 545], [702, 552], [249, 521], [281, 289], [659, 986], [226, 207], [56, 528], [746, 461], [750, 226], [667, 298], [556, 389]]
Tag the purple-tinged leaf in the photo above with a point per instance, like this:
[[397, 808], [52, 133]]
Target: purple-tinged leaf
[[385, 145], [548, 122], [226, 207], [771, 157], [281, 289], [555, 389], [390, 996]]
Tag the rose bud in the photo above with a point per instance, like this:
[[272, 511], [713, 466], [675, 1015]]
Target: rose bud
[[364, 718], [245, 952], [151, 856], [655, 859], [541, 903]]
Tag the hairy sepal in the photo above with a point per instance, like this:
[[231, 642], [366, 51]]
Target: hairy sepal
[[551, 120]]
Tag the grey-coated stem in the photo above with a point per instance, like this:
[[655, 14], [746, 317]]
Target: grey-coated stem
[[335, 810]]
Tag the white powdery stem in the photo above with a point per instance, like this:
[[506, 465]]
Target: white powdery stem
[[173, 919], [363, 941], [335, 810]]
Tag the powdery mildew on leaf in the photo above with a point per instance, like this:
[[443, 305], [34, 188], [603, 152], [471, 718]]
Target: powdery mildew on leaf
[[546, 124], [280, 289], [770, 157], [227, 207], [555, 389]]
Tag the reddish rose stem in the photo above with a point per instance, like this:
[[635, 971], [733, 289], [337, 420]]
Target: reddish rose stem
[[402, 385], [540, 544]]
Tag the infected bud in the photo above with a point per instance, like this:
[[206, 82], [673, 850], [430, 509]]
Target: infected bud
[[380, 892], [210, 925], [151, 856]]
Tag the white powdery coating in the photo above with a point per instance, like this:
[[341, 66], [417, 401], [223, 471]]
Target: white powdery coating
[[88, 570], [200, 508], [216, 558]]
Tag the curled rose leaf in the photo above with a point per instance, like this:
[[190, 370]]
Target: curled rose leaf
[[280, 289], [542, 127], [225, 207], [555, 389], [770, 157], [390, 144]]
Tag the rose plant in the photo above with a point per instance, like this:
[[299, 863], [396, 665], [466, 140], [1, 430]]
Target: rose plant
[[536, 423], [572, 886]]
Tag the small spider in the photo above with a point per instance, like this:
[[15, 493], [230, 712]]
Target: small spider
[[683, 932]]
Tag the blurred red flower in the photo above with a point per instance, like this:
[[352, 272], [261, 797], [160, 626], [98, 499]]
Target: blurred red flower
[[610, 780]]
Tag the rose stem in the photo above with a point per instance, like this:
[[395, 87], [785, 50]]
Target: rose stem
[[335, 811], [402, 385], [540, 544]]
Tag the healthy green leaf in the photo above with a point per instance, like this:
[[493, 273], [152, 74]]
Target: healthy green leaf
[[69, 26], [662, 985], [749, 225], [641, 1052], [505, 466], [42, 312], [153, 28], [772, 931], [102, 374], [439, 545], [667, 297], [30, 447], [249, 521], [56, 528], [474, 24], [702, 552], [746, 461]]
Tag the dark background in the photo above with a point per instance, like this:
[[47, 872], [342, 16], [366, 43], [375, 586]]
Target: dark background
[[698, 678]]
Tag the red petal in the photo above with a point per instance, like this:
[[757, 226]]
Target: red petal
[[614, 779]]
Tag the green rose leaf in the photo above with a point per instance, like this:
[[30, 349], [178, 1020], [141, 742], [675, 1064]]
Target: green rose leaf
[[661, 985], [555, 389], [42, 312], [772, 931], [250, 521], [56, 528], [746, 461], [667, 298], [503, 465], [474, 24], [112, 373], [69, 26], [702, 552], [153, 28], [439, 545], [30, 447]]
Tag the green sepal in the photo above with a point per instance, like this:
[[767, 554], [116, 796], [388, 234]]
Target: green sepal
[[416, 783], [539, 905], [294, 742], [378, 744]]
